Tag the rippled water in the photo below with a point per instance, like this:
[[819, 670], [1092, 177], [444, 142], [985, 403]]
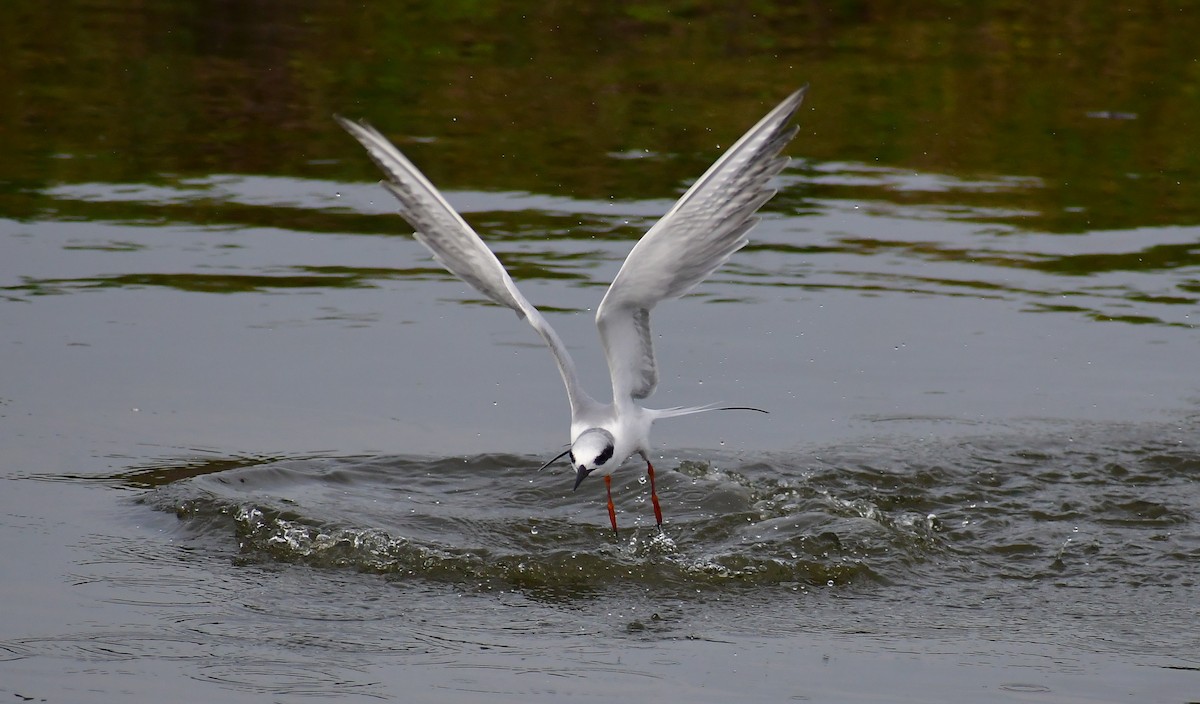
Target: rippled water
[[980, 454], [257, 446], [1041, 562], [1099, 510]]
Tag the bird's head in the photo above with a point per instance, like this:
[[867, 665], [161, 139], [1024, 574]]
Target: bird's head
[[592, 450]]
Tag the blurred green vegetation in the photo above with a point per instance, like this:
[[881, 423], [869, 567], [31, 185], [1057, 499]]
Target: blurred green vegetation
[[1098, 100]]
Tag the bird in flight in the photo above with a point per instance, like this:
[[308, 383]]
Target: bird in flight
[[700, 232]]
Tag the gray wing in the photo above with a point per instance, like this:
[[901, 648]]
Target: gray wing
[[704, 228], [458, 248]]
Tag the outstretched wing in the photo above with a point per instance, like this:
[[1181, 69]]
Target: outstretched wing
[[698, 234], [457, 247]]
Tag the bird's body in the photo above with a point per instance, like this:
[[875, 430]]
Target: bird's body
[[704, 228]]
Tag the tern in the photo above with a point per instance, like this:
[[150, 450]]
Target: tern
[[697, 235]]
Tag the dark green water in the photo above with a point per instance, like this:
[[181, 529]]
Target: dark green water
[[256, 445]]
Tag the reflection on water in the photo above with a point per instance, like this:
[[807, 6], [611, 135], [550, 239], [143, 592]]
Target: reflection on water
[[837, 225], [552, 99], [971, 311]]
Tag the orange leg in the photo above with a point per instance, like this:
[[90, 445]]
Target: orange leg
[[612, 512], [654, 494]]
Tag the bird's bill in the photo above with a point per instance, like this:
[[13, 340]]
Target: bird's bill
[[581, 474]]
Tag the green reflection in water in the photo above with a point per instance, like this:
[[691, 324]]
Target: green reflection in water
[[1153, 258], [197, 283], [1097, 100], [1006, 116], [314, 277]]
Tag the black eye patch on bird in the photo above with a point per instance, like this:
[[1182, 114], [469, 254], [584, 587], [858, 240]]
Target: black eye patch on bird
[[605, 456]]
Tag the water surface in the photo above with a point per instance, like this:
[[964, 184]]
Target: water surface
[[256, 444]]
